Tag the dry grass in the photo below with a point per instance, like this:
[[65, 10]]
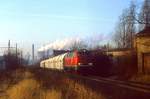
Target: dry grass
[[82, 92], [25, 89], [30, 89], [40, 85]]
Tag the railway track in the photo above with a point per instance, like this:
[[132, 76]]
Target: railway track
[[136, 86], [130, 85], [112, 89], [116, 89]]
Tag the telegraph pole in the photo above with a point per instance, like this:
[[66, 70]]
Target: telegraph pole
[[16, 51], [9, 47], [32, 53], [21, 55]]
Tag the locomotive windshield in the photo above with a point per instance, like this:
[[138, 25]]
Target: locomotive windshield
[[84, 53]]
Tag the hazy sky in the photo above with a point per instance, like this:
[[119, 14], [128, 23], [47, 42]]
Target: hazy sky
[[48, 20]]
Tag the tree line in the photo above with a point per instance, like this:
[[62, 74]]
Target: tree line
[[131, 21], [14, 59]]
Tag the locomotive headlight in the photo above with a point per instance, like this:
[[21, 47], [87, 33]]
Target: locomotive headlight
[[79, 64], [90, 64]]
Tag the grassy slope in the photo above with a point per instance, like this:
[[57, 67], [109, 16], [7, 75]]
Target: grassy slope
[[39, 84]]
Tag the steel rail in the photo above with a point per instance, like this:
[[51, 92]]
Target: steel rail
[[123, 84]]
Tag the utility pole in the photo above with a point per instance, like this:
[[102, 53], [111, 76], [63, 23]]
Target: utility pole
[[32, 53], [21, 57], [9, 47], [16, 51], [28, 57]]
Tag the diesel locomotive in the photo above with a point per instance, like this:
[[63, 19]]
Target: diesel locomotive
[[70, 61], [83, 61]]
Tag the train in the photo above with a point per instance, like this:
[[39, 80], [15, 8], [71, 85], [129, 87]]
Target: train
[[81, 61]]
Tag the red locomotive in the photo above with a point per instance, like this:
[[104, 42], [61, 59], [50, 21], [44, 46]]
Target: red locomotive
[[82, 61], [78, 60]]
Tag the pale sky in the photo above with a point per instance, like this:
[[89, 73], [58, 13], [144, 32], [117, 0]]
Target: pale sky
[[40, 21]]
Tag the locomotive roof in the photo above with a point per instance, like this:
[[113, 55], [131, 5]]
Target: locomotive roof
[[59, 55]]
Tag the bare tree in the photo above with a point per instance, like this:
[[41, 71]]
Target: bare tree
[[144, 16], [131, 28], [120, 36], [14, 60], [77, 45], [125, 28]]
